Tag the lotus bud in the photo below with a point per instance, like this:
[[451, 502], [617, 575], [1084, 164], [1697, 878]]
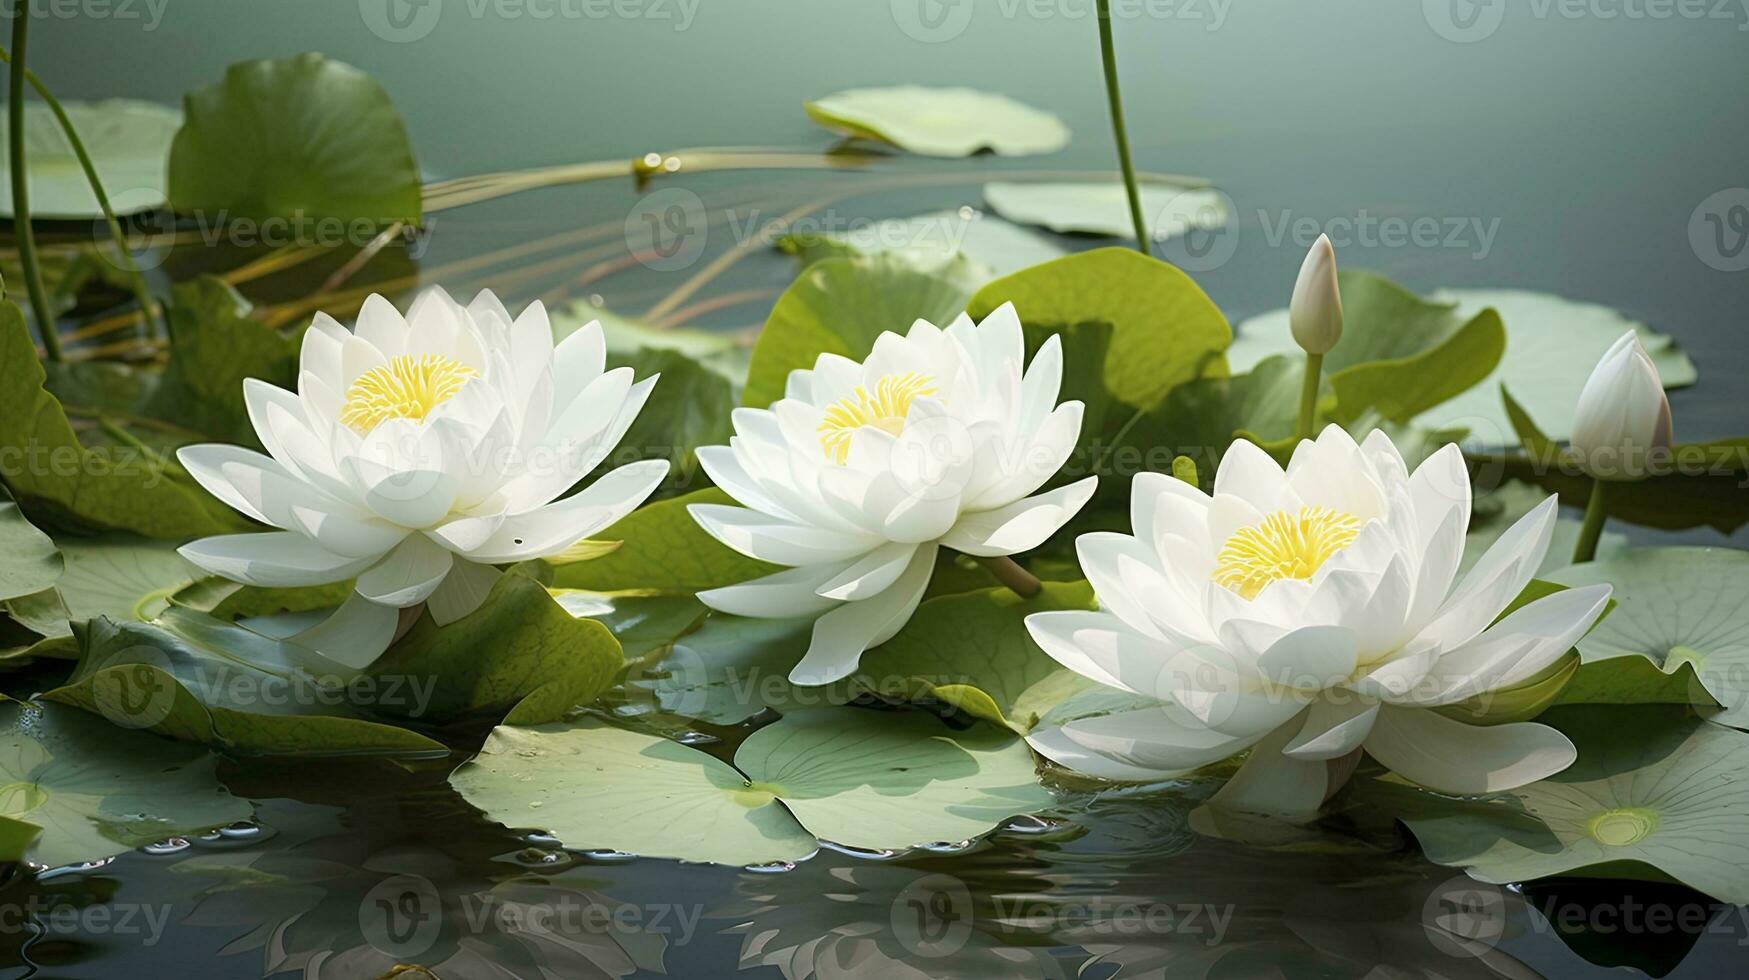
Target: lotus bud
[[1623, 418], [1315, 315]]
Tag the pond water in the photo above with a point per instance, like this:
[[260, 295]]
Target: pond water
[[1565, 151]]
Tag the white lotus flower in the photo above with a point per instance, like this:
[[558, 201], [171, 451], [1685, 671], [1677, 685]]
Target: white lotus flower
[[863, 471], [1623, 417], [1307, 615], [419, 452]]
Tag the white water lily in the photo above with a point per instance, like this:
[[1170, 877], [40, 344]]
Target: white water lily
[[862, 472], [418, 453], [1309, 614], [1623, 418]]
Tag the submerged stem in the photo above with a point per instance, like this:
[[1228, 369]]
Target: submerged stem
[[1309, 396], [1018, 580], [1596, 514], [33, 276], [1108, 54]]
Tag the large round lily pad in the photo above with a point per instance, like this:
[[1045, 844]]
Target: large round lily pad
[[941, 122], [860, 778], [1651, 788], [128, 142], [1677, 607], [1102, 207]]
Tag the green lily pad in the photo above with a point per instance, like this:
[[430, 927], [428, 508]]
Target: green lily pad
[[1200, 419], [663, 550], [29, 560], [1652, 790], [1552, 344], [215, 346], [1400, 355], [521, 652], [96, 792], [1103, 207], [1676, 608], [864, 779], [116, 575], [1164, 330], [934, 243], [198, 679], [641, 623], [127, 140], [302, 138], [941, 122], [972, 652], [732, 668], [117, 488], [840, 306]]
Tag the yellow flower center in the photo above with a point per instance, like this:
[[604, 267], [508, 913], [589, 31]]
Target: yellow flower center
[[408, 387], [885, 410], [1286, 545]]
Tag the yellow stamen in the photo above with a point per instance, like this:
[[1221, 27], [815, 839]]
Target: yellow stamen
[[408, 387], [885, 410], [1285, 545]]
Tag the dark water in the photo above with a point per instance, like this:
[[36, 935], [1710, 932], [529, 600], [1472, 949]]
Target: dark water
[[1583, 146]]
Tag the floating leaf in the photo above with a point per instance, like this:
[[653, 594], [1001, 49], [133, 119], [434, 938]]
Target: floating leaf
[[1651, 788], [29, 560], [934, 242], [117, 575], [864, 779], [972, 651], [127, 141], [941, 122], [663, 550], [641, 623], [96, 792], [198, 679], [1552, 344], [1103, 208], [301, 139], [521, 652], [1200, 419], [1399, 356], [1164, 330], [215, 346], [732, 668], [46, 466], [1677, 607], [840, 306]]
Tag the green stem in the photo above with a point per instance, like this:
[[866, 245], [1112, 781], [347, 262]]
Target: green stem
[[1109, 55], [1018, 580], [135, 279], [1309, 396], [1596, 513], [33, 276]]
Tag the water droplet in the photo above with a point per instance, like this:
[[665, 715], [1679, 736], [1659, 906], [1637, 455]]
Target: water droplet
[[540, 839], [536, 856], [866, 853], [70, 869], [947, 847], [774, 868], [241, 830], [535, 804], [609, 856], [173, 845], [211, 835], [695, 738], [1028, 824]]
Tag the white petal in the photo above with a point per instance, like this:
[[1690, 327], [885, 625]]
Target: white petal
[[1275, 784], [381, 326], [556, 526], [1020, 526], [1335, 726], [1497, 579], [869, 575], [1252, 475], [407, 575], [1147, 743], [463, 590], [1099, 646], [1517, 648], [275, 559], [1451, 757], [757, 536], [354, 635], [843, 634], [791, 593]]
